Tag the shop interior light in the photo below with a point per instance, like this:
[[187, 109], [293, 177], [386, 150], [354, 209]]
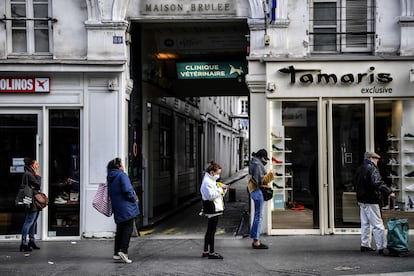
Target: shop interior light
[[166, 56]]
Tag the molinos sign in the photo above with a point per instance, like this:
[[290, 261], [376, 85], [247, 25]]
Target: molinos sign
[[316, 76], [24, 85], [193, 7]]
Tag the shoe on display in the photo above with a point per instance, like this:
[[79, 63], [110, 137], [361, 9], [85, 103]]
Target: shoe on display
[[277, 186], [393, 173], [277, 148], [409, 135], [410, 188], [124, 257], [274, 135], [215, 256], [411, 174], [59, 200], [279, 174], [274, 160], [410, 162]]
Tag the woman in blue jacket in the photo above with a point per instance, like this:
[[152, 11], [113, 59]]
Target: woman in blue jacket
[[124, 206]]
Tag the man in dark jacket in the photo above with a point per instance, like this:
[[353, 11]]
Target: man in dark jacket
[[369, 186]]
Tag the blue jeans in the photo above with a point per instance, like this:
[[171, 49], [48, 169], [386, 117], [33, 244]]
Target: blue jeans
[[29, 226], [258, 200]]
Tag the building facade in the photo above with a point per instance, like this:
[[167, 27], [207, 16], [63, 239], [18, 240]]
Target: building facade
[[160, 84], [335, 79]]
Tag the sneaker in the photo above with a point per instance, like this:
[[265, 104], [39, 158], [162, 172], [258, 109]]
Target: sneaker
[[410, 187], [260, 246], [203, 255], [215, 256], [59, 200], [409, 135], [116, 257], [124, 257], [277, 186], [277, 148], [366, 249]]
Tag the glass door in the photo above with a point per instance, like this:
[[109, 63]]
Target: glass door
[[347, 134], [18, 139]]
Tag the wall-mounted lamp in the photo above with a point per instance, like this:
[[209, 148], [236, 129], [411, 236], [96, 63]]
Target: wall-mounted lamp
[[271, 87], [267, 40], [112, 85]]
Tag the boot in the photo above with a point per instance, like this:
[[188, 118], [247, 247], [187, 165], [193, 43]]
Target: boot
[[33, 245], [25, 248]]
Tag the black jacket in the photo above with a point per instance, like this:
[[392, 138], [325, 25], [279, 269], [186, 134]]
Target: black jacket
[[369, 184], [34, 181]]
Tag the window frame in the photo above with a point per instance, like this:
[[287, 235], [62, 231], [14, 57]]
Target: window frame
[[341, 28], [30, 28]]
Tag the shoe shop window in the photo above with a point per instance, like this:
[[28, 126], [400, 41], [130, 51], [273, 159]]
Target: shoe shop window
[[394, 141], [64, 174]]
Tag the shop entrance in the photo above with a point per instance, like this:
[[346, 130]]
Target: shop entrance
[[18, 138], [316, 147], [347, 135]]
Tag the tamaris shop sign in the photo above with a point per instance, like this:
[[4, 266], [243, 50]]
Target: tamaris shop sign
[[24, 85]]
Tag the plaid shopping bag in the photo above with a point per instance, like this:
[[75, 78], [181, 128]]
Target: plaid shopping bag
[[102, 201]]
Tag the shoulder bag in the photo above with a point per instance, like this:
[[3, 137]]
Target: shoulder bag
[[102, 201], [267, 192], [41, 200]]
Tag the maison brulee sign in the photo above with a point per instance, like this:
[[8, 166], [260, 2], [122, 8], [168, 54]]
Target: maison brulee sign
[[317, 77]]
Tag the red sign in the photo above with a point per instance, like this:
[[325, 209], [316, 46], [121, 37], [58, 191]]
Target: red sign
[[24, 85]]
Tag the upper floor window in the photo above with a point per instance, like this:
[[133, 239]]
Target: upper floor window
[[29, 26], [244, 107], [341, 26]]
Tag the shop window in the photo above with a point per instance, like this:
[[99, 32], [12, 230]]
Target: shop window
[[29, 26], [64, 172], [341, 26]]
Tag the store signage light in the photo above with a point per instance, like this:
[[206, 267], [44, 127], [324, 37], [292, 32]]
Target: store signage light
[[309, 76], [24, 85]]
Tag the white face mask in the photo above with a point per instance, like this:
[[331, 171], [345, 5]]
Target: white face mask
[[216, 177]]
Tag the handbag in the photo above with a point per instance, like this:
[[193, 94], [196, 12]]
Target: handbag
[[102, 201], [24, 196], [213, 206], [267, 192], [41, 200]]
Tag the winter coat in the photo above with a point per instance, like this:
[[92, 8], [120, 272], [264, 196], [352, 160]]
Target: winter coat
[[258, 172], [123, 198], [369, 184], [34, 181], [209, 192]]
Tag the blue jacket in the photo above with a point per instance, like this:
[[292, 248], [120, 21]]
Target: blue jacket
[[123, 197]]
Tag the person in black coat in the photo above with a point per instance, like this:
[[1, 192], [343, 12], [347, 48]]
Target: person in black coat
[[31, 177]]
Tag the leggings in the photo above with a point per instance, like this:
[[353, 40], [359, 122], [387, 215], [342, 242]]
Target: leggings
[[211, 231]]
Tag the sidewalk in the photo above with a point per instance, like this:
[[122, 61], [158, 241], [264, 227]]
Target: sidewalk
[[174, 247]]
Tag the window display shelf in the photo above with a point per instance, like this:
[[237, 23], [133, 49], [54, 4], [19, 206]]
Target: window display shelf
[[282, 182]]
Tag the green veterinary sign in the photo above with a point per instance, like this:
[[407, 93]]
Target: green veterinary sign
[[211, 70]]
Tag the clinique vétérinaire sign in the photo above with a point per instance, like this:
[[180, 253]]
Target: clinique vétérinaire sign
[[210, 70]]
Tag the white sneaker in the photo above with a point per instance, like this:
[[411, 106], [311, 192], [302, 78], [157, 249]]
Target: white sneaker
[[60, 200], [410, 188], [116, 257], [124, 257]]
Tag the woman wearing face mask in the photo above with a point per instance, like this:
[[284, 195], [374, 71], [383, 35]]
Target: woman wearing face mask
[[211, 190], [258, 172]]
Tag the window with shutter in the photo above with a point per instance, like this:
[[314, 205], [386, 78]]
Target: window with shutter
[[341, 26]]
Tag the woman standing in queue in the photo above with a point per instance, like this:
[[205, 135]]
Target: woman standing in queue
[[124, 206], [31, 177], [257, 171], [212, 194]]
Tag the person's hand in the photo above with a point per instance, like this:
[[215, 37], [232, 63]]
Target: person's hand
[[392, 195]]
